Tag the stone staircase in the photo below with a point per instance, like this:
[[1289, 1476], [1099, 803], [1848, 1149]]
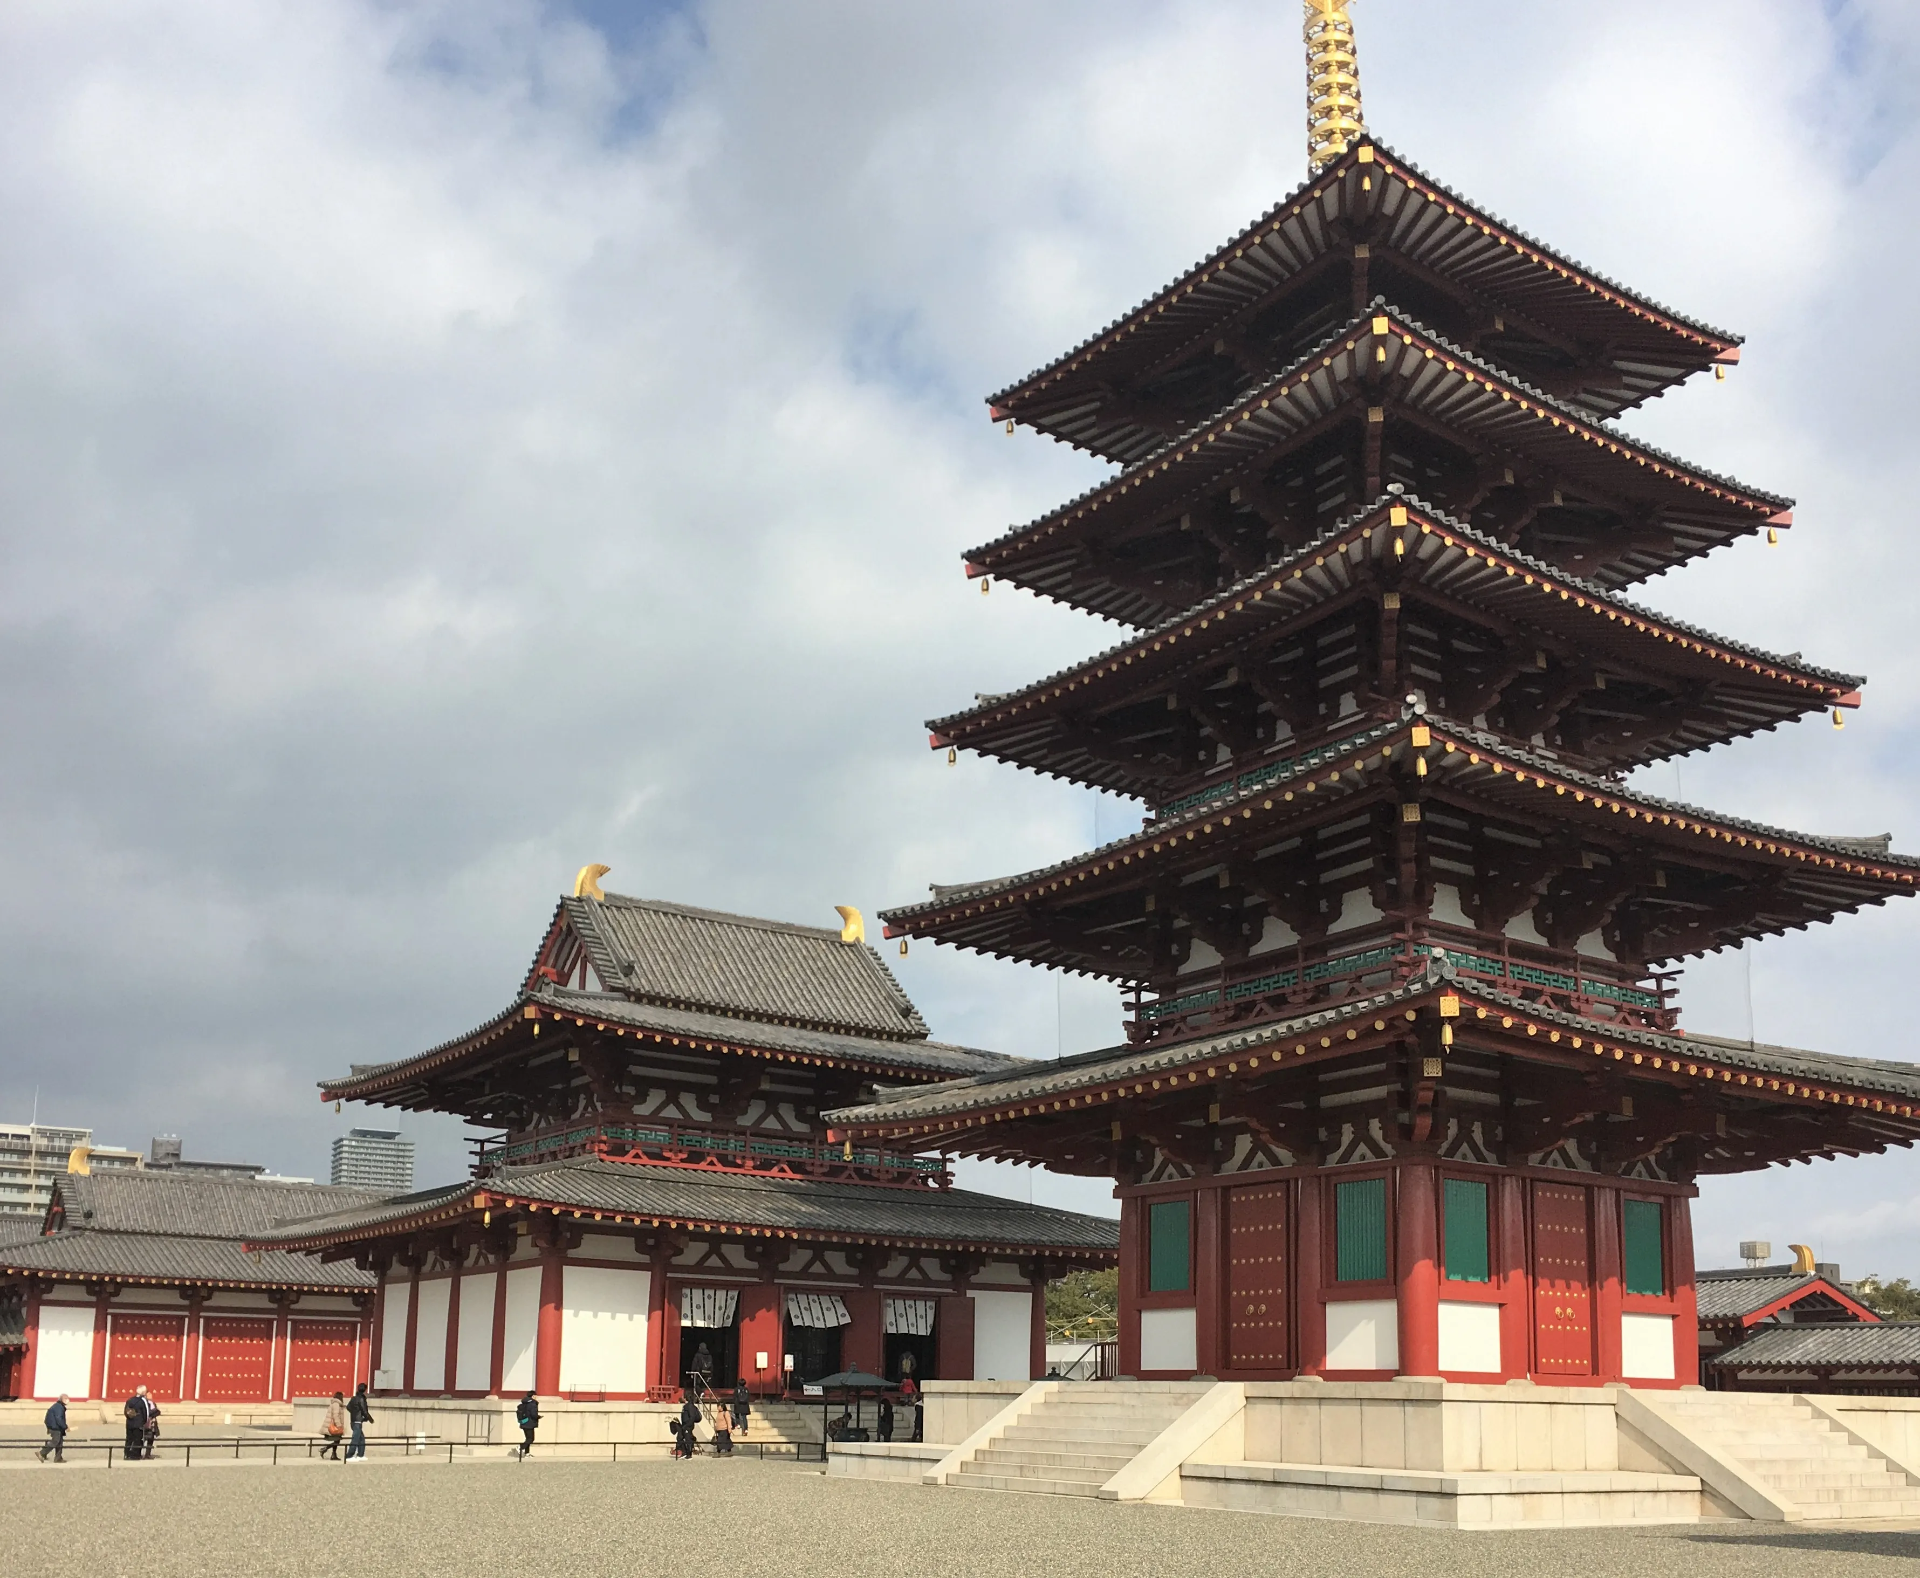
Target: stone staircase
[[1796, 1454], [776, 1420], [1077, 1438]]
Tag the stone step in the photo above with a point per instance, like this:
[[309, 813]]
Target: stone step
[[1014, 1468], [1848, 1511], [1044, 1487], [1837, 1448], [1101, 1463], [1805, 1481], [1104, 1416]]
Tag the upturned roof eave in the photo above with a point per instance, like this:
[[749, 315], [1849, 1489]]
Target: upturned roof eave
[[1179, 450], [1353, 525], [1098, 344]]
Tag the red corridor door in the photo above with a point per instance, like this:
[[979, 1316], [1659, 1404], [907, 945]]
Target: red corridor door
[[320, 1361], [144, 1350], [1257, 1277], [1562, 1281], [236, 1360]]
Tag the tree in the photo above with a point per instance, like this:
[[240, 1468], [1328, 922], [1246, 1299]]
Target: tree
[[1895, 1300], [1084, 1299]]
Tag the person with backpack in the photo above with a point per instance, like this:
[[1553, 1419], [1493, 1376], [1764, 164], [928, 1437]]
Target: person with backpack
[[56, 1431], [527, 1415], [742, 1407], [138, 1415], [359, 1416]]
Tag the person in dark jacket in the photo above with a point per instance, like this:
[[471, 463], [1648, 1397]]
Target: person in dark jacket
[[136, 1414], [688, 1443], [359, 1416], [56, 1431], [885, 1431], [527, 1415], [742, 1407]]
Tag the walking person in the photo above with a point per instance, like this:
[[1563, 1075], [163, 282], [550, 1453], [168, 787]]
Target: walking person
[[689, 1418], [150, 1430], [722, 1431], [56, 1431], [334, 1427], [527, 1415], [885, 1429], [742, 1407], [359, 1416]]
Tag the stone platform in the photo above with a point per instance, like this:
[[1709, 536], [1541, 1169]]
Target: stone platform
[[1422, 1452]]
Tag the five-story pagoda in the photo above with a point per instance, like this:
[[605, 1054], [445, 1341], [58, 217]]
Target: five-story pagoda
[[1403, 1089]]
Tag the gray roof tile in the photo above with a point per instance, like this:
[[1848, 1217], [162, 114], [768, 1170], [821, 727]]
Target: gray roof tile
[[165, 1258], [181, 1205], [1731, 1297], [949, 1216], [1865, 1345]]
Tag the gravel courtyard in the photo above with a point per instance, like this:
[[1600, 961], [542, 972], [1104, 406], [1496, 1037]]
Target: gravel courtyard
[[755, 1520]]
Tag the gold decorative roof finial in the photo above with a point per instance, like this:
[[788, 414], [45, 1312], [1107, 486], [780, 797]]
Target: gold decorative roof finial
[[1333, 83], [853, 925], [587, 884], [1802, 1260], [80, 1161]]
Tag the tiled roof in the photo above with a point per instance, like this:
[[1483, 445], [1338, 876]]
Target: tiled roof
[[936, 1057], [19, 1228], [1237, 276], [1875, 1345], [675, 956], [1731, 1297], [1092, 1069], [181, 1205], [830, 1210], [145, 1257]]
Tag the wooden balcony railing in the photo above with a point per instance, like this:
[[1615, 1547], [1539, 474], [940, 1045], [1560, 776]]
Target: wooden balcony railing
[[714, 1150]]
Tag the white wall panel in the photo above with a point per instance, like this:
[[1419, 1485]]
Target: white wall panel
[[473, 1363], [1364, 1335], [1469, 1336], [1646, 1347], [1002, 1336], [1169, 1340], [393, 1335], [430, 1336], [603, 1329], [63, 1351], [523, 1330]]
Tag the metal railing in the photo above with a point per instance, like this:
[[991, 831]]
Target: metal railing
[[272, 1453]]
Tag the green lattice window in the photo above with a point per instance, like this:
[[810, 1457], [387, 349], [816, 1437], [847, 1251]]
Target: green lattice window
[[1643, 1236], [1169, 1246], [1464, 1217], [1360, 1230]]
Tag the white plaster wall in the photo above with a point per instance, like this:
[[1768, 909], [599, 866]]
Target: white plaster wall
[[1002, 1336], [1274, 933], [523, 1330], [1469, 1336], [393, 1334], [1169, 1340], [1446, 905], [1356, 909], [1646, 1347], [603, 1330], [430, 1335], [1003, 1273], [63, 1351], [473, 1364], [1363, 1335], [1522, 929]]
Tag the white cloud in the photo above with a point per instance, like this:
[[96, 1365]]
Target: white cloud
[[439, 448]]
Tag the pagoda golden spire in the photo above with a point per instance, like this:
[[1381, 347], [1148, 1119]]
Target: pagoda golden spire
[[1333, 83]]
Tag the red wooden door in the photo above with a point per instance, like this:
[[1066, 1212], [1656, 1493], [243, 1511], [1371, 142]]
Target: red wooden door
[[953, 1338], [1562, 1281], [1257, 1333], [236, 1359], [144, 1350], [320, 1362]]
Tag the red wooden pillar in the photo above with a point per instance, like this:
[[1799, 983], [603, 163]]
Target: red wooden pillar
[[363, 1347], [1416, 1260], [379, 1326], [450, 1372], [1037, 1346], [759, 1320], [413, 1330], [1209, 1280], [1133, 1270], [190, 1352], [656, 1323], [1516, 1284], [29, 1362], [279, 1373], [1309, 1272], [546, 1348], [1686, 1309], [862, 1346], [1609, 1281], [97, 1369]]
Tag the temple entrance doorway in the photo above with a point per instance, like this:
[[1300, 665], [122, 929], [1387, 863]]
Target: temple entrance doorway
[[815, 1351], [709, 1338], [908, 1345]]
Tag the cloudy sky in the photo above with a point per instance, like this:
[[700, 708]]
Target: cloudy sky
[[445, 444]]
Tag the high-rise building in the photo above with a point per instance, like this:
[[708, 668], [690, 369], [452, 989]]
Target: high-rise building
[[374, 1159], [32, 1155]]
